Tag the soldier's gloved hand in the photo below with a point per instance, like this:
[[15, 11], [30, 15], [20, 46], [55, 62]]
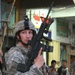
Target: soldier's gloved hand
[[39, 60]]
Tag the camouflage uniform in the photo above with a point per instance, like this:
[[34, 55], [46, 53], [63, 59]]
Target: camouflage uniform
[[18, 55]]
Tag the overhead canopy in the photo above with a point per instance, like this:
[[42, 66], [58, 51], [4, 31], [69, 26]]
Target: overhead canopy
[[45, 3], [63, 12], [42, 3]]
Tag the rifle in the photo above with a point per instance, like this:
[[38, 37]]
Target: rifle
[[35, 43]]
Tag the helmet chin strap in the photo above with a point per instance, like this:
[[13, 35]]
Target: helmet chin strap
[[25, 44]]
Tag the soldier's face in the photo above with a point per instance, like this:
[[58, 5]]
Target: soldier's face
[[26, 35]]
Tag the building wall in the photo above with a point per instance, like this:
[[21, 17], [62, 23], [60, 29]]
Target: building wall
[[55, 55]]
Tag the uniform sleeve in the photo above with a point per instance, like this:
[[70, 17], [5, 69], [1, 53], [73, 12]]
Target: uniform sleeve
[[12, 62]]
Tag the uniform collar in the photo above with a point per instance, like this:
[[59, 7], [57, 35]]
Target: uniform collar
[[23, 49]]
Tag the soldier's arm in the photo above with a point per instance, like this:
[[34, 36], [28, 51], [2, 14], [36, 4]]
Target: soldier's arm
[[13, 61]]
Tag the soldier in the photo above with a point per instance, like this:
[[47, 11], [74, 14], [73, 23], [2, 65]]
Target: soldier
[[24, 31]]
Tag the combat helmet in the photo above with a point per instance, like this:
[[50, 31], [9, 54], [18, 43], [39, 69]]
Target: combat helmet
[[24, 24]]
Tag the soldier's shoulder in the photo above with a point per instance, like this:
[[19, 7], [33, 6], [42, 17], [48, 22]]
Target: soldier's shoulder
[[13, 55], [14, 48], [14, 51]]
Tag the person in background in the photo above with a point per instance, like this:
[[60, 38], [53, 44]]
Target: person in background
[[73, 71], [45, 69], [52, 69], [72, 65], [24, 31], [63, 69]]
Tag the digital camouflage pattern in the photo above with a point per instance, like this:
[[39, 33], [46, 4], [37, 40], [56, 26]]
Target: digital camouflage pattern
[[18, 55], [21, 26]]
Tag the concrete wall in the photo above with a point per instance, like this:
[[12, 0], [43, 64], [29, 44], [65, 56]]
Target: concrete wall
[[62, 12]]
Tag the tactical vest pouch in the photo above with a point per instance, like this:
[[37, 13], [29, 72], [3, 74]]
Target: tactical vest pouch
[[24, 67]]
